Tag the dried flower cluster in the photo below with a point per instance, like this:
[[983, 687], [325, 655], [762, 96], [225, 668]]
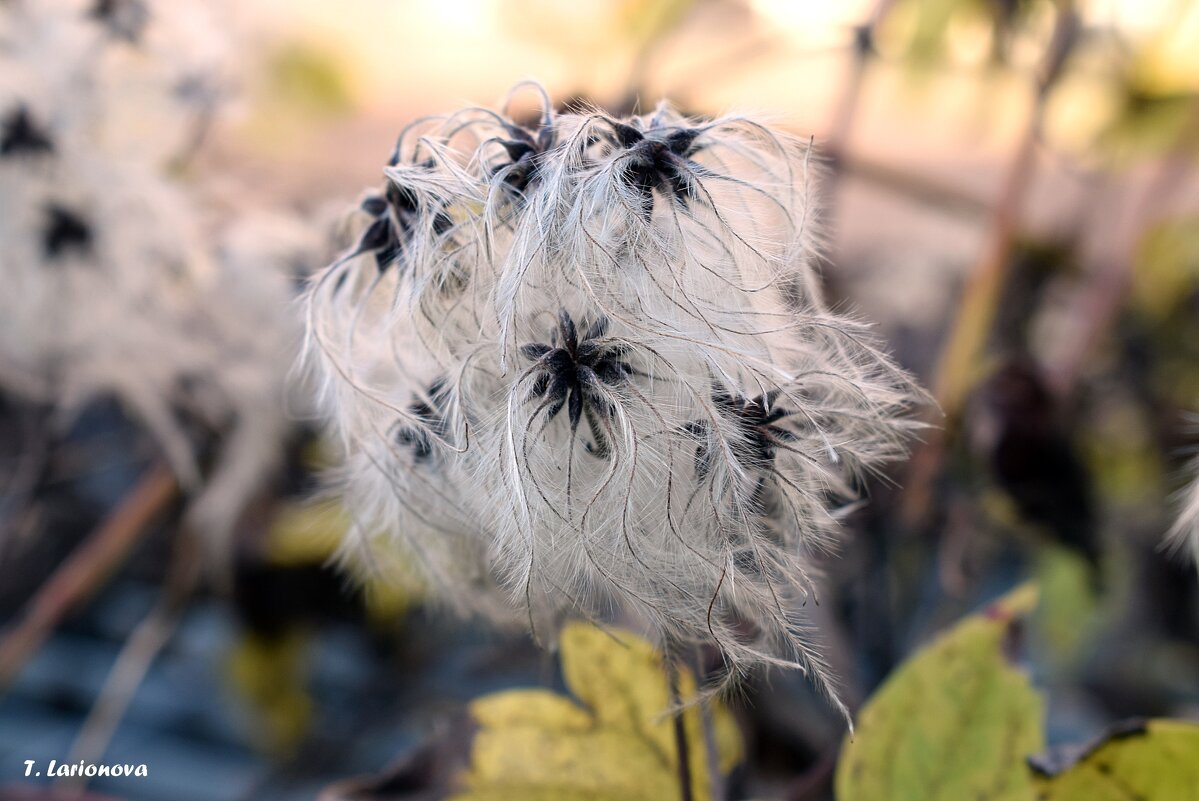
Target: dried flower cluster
[[583, 362], [112, 281]]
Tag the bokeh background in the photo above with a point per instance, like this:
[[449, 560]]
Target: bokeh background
[[1010, 192]]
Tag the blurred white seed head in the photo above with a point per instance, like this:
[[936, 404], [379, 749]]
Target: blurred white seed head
[[584, 362], [130, 78], [115, 282]]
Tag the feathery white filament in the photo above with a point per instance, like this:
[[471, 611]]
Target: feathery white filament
[[1184, 534]]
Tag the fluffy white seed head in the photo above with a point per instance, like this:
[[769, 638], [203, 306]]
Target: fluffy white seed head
[[585, 362], [115, 284]]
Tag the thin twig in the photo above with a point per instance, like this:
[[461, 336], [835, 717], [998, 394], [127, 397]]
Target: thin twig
[[959, 360], [981, 297], [980, 300], [138, 653], [711, 751], [86, 568], [28, 471], [863, 51], [1102, 300], [912, 186]]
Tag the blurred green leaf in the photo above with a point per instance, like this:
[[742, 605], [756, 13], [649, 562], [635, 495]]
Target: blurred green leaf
[[1147, 121], [646, 20], [1167, 266], [1164, 292], [1066, 618], [1123, 456], [954, 722], [1153, 761], [308, 79], [923, 31]]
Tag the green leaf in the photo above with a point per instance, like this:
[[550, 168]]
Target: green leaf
[[618, 744], [954, 723], [1067, 618], [1156, 760]]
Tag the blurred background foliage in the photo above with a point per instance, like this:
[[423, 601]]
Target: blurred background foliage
[[1010, 192]]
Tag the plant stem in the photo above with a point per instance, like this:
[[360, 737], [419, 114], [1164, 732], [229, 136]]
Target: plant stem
[[138, 653], [686, 791], [958, 365], [86, 568], [711, 751]]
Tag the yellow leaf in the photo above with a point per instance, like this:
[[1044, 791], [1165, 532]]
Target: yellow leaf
[[1154, 761], [622, 679], [618, 743], [955, 722], [306, 532], [271, 674], [543, 708]]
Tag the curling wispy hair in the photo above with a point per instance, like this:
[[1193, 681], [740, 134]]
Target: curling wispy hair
[[582, 364], [114, 281]]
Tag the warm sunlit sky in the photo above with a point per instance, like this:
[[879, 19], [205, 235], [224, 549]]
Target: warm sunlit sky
[[787, 60], [439, 47]]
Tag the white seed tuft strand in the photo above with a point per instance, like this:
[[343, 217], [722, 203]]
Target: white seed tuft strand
[[1184, 534]]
